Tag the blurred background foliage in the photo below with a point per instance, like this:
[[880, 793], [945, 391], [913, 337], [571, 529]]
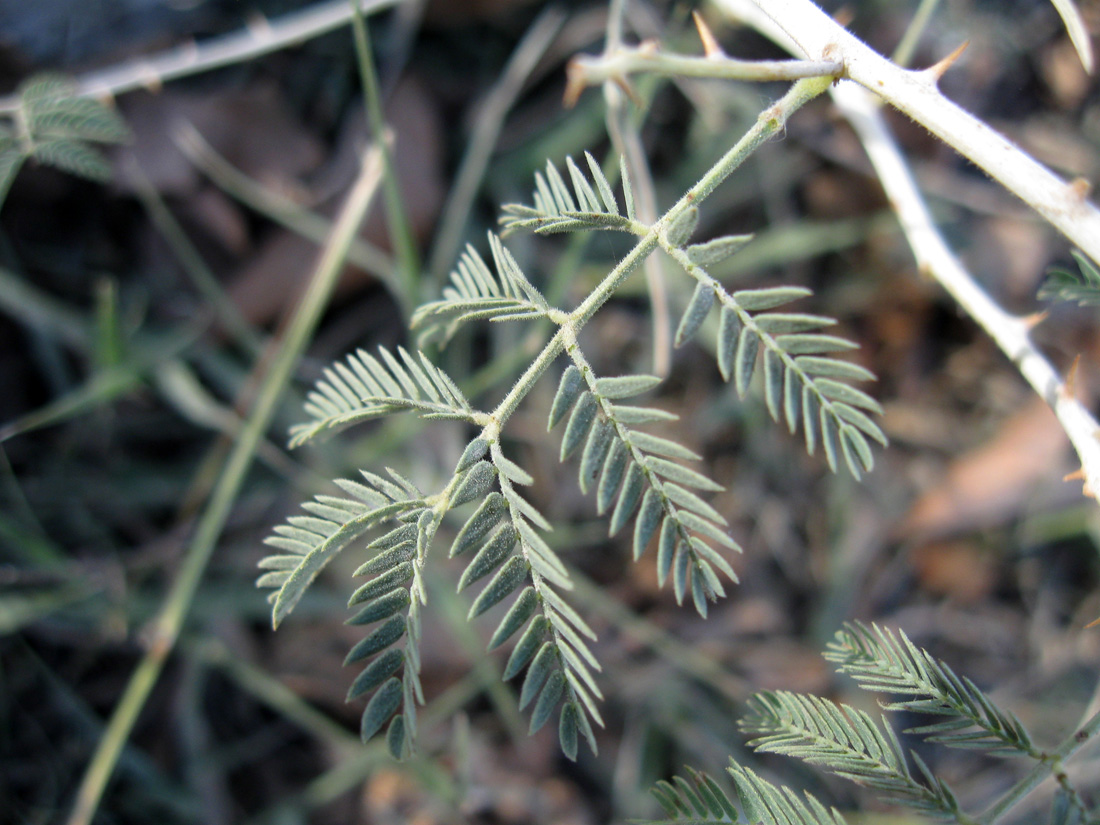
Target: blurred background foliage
[[132, 316]]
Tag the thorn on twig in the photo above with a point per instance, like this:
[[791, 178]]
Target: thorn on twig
[[628, 90], [844, 16], [1079, 475], [1068, 390], [575, 83], [1079, 190], [1093, 623], [259, 26], [937, 70], [710, 43], [1034, 319]]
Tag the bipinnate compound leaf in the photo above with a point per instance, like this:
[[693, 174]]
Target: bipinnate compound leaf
[[1082, 288], [57, 128], [306, 544], [478, 293], [804, 383], [880, 660], [639, 471], [362, 387], [589, 203], [847, 742]]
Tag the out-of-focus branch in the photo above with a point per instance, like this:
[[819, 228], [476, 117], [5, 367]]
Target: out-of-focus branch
[[933, 256], [818, 36], [259, 37]]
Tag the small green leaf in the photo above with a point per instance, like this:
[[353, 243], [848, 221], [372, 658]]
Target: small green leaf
[[728, 332], [697, 309], [507, 579], [648, 520], [569, 390], [397, 739], [747, 346], [485, 518], [681, 474], [545, 661], [492, 553], [648, 443], [376, 673], [509, 469], [513, 620], [382, 584], [682, 227], [382, 607], [382, 637], [614, 468], [717, 250], [380, 708], [628, 191], [567, 730], [625, 386], [526, 647], [629, 496], [595, 449], [477, 482], [548, 700], [666, 550], [475, 451], [579, 422], [603, 185]]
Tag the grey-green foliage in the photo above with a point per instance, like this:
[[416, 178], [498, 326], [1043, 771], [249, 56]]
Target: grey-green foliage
[[56, 126], [635, 475], [854, 745], [1066, 285]]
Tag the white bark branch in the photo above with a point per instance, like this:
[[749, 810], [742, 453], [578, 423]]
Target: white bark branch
[[819, 37], [790, 23]]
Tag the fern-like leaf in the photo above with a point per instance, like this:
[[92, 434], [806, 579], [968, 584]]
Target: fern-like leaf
[[362, 387], [1065, 285], [306, 544], [633, 470], [503, 541], [768, 804], [388, 603], [476, 292], [697, 800], [53, 107], [803, 381], [590, 205], [847, 742], [59, 126], [880, 660]]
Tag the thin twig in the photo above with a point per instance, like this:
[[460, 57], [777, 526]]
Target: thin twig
[[628, 144], [933, 256], [916, 94], [259, 37], [483, 140], [165, 628], [1010, 332], [591, 70]]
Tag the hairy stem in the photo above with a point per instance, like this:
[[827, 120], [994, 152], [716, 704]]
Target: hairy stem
[[771, 122], [1051, 764]]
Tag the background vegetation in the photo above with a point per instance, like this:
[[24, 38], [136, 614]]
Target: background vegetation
[[136, 327]]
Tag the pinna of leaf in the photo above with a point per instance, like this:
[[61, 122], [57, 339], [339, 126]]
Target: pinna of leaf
[[635, 475]]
